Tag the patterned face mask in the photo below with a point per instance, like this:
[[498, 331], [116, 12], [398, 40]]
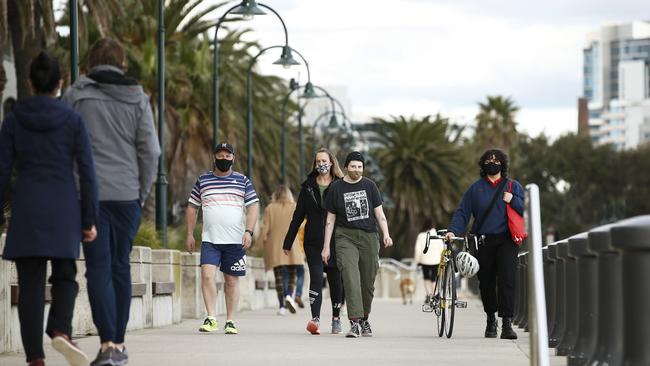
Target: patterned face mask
[[323, 168]]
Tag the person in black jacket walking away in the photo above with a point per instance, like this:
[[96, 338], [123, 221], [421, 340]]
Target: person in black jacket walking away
[[311, 206], [43, 138]]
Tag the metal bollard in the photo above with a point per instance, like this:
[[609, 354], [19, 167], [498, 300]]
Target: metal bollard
[[557, 300], [523, 316], [518, 288], [572, 284], [632, 238], [609, 345], [564, 297], [587, 270], [549, 287], [520, 295]]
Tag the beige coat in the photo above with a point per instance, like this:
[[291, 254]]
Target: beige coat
[[275, 225]]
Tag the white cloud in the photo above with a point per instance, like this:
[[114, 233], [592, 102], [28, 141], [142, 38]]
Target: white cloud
[[417, 57]]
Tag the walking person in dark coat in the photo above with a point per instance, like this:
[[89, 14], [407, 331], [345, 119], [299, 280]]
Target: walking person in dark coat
[[310, 206], [120, 124], [497, 252], [42, 139]]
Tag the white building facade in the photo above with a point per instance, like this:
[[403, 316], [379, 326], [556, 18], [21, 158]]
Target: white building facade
[[617, 84]]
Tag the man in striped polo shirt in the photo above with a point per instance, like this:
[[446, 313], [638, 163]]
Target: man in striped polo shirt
[[230, 207]]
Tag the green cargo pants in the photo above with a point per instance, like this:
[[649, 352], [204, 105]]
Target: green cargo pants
[[357, 257]]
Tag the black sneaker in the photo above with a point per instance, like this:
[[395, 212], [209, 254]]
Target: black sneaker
[[491, 327], [121, 357], [105, 358], [366, 331], [354, 332], [506, 329]]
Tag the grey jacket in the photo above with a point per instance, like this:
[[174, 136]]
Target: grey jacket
[[121, 129]]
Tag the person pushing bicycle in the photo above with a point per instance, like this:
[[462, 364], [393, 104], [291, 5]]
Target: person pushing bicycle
[[486, 201]]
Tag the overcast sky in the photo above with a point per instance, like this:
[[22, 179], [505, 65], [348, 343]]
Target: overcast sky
[[423, 56]]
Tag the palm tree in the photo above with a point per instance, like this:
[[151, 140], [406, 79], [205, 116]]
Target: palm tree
[[420, 161], [31, 23], [495, 123]]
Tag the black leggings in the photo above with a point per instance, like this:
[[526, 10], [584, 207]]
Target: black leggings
[[31, 301], [316, 281]]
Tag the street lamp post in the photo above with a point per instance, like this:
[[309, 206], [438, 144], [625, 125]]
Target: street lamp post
[[333, 123], [308, 94], [286, 60], [74, 41], [248, 9], [161, 183]]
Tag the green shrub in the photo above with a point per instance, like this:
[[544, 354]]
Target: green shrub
[[147, 236]]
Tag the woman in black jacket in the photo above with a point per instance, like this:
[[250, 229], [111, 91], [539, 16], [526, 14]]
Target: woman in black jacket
[[310, 206]]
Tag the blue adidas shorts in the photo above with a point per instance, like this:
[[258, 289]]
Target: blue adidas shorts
[[230, 258]]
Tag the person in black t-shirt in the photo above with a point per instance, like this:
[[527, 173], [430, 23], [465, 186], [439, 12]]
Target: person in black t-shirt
[[354, 204]]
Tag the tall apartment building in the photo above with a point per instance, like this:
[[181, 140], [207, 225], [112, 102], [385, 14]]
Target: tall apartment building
[[616, 84]]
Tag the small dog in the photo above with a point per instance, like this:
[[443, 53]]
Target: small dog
[[407, 287]]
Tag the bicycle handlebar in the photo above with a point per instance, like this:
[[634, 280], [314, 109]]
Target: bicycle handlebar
[[443, 237]]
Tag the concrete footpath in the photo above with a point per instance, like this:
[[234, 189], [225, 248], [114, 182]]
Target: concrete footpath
[[404, 335]]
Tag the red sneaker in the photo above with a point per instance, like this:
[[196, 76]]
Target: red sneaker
[[37, 362], [313, 326], [65, 346]]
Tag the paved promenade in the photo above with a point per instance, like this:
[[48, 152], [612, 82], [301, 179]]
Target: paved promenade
[[403, 336]]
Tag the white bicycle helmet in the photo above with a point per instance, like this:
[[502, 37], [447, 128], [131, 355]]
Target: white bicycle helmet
[[467, 264]]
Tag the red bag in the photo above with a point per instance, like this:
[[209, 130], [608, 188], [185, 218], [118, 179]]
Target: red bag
[[516, 223]]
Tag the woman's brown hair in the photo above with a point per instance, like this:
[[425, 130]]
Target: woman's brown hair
[[335, 169], [282, 195]]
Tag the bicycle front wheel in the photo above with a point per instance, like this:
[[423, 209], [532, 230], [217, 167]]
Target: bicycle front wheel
[[438, 308], [449, 296]]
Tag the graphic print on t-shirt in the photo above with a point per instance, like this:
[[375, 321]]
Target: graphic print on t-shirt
[[356, 205]]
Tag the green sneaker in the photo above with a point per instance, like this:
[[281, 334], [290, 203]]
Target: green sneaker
[[209, 325], [230, 327]]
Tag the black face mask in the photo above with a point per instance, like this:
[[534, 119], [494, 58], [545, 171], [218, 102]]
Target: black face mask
[[223, 164], [492, 168]]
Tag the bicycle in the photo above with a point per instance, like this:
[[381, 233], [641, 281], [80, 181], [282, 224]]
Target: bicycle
[[444, 301]]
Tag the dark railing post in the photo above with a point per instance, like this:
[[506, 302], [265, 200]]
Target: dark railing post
[[609, 346], [74, 41], [632, 238], [161, 184]]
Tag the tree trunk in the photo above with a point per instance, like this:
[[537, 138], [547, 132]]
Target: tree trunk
[[26, 46]]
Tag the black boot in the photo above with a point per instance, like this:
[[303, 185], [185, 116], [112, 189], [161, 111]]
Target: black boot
[[491, 327], [506, 329]]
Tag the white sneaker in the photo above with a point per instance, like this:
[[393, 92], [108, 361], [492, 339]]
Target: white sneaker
[[282, 311], [290, 304]]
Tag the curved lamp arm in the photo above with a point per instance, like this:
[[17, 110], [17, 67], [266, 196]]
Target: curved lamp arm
[[215, 68]]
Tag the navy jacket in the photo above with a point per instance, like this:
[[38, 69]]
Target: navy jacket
[[477, 199], [43, 139]]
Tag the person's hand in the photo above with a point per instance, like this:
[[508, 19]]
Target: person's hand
[[190, 244], [507, 197], [449, 236], [90, 234], [247, 240], [388, 242], [325, 254], [286, 252]]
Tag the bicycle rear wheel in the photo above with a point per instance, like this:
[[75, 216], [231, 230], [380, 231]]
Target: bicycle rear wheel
[[449, 295]]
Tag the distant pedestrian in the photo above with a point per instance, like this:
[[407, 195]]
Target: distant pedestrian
[[43, 139], [275, 224], [430, 260], [230, 208], [120, 124], [354, 207]]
